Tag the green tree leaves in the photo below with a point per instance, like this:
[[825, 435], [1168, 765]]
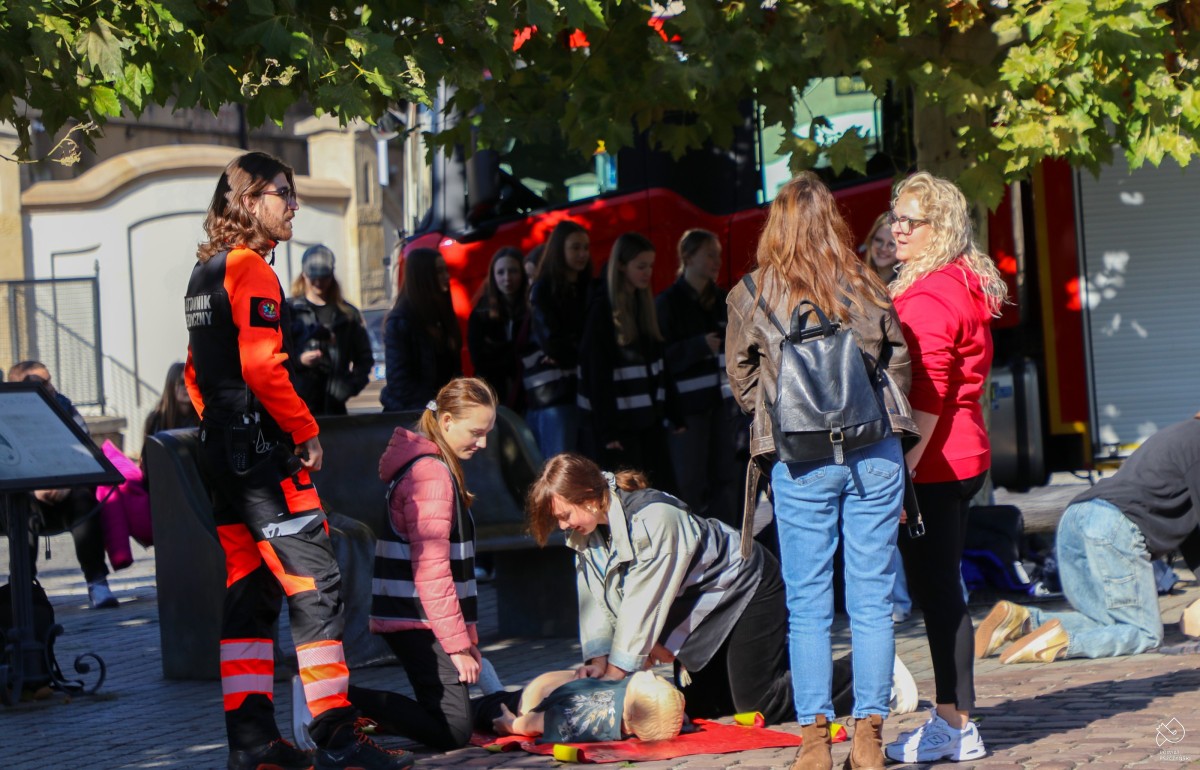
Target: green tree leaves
[[1015, 81]]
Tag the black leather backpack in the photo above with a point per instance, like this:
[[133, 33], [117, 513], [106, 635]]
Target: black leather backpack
[[827, 401]]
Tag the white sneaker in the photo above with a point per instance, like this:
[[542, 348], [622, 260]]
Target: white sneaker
[[904, 689], [100, 596], [937, 740], [488, 682], [301, 717]]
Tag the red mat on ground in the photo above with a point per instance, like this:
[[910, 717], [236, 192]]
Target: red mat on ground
[[711, 738]]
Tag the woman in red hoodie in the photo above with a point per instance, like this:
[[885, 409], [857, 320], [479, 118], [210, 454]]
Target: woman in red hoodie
[[424, 596], [946, 293]]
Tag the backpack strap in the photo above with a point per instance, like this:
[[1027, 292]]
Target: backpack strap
[[762, 303], [387, 498]]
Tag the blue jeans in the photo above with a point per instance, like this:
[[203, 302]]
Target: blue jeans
[[1107, 577], [816, 503], [556, 428], [901, 601]]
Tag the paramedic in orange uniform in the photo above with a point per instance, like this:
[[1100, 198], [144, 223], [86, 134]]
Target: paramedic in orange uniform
[[258, 444]]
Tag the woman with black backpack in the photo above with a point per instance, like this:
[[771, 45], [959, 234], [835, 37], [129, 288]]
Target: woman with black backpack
[[806, 253]]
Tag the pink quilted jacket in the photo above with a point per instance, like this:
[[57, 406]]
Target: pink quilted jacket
[[422, 511]]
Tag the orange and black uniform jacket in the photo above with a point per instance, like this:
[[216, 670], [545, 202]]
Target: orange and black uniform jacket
[[238, 332]]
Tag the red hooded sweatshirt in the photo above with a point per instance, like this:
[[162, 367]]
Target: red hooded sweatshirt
[[947, 325]]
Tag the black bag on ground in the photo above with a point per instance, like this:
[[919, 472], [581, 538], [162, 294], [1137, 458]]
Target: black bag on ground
[[43, 628], [827, 401]]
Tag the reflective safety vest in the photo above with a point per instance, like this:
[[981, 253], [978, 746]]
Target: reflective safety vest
[[393, 592]]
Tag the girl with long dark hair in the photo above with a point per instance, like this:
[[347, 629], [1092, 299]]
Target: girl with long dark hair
[[558, 307], [421, 336], [498, 324]]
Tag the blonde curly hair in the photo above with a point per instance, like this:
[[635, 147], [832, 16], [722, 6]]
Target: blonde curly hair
[[653, 707], [952, 237]]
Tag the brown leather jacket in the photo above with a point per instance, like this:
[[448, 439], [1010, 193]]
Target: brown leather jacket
[[752, 349]]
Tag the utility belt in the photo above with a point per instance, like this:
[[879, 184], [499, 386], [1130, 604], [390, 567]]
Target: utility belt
[[246, 447]]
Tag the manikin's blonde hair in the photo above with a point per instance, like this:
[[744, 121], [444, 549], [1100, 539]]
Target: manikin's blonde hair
[[952, 237], [653, 707]]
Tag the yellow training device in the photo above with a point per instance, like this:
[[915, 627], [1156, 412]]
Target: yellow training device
[[565, 753]]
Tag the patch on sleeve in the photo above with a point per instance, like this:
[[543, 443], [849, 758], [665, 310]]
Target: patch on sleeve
[[264, 311]]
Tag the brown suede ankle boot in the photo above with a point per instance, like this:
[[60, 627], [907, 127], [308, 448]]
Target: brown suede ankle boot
[[866, 752], [814, 751]]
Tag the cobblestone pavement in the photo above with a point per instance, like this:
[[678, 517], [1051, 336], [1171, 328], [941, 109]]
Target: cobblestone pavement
[[1098, 714]]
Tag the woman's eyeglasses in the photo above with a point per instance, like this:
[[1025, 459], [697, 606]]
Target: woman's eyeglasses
[[907, 224]]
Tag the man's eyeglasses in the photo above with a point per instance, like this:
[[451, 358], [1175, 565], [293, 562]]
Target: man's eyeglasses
[[287, 193], [907, 224]]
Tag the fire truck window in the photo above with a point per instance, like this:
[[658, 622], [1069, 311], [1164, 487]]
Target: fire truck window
[[844, 102]]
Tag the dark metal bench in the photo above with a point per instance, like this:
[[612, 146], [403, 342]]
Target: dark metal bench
[[535, 588]]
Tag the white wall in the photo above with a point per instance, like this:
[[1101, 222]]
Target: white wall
[[140, 240]]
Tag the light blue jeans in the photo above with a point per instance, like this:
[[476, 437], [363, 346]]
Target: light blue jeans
[[1107, 577], [556, 428], [816, 504], [901, 600]]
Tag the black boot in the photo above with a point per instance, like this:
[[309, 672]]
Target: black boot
[[276, 755]]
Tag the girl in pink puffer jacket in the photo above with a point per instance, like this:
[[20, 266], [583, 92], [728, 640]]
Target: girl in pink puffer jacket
[[423, 593]]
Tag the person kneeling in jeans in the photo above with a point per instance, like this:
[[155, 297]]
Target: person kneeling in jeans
[[1106, 539]]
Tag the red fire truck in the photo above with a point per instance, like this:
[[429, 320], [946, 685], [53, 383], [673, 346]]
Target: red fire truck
[[1091, 356]]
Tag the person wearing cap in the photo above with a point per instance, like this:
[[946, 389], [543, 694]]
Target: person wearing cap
[[335, 351]]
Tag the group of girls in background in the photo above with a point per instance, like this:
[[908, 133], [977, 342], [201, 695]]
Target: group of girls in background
[[594, 362]]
